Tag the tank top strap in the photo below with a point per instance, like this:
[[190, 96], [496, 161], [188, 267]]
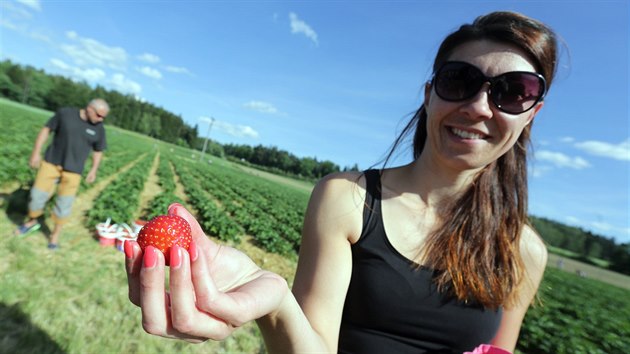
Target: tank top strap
[[372, 205]]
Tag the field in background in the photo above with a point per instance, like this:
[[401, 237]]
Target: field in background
[[75, 300]]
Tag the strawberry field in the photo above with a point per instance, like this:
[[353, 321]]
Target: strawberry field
[[74, 300]]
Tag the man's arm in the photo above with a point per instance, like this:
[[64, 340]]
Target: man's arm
[[36, 157], [96, 161]]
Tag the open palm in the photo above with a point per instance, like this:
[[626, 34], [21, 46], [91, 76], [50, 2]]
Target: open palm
[[217, 291]]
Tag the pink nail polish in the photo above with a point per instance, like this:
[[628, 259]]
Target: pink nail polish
[[176, 257], [192, 250], [128, 249], [150, 258]]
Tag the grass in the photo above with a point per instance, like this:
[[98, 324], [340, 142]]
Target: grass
[[75, 301]]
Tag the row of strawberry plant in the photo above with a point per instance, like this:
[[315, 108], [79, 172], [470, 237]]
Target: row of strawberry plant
[[284, 207], [268, 232], [287, 214], [119, 201], [112, 163], [19, 129], [577, 315], [211, 218]]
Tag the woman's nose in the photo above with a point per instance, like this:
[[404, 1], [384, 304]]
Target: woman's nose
[[478, 106]]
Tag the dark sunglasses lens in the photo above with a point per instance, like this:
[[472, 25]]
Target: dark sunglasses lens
[[458, 81], [517, 92]]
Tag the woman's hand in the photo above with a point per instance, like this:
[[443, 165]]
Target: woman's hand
[[214, 289]]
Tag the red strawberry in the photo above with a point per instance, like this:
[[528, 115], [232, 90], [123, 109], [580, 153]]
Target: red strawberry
[[164, 231]]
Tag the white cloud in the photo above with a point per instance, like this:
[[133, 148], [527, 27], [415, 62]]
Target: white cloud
[[539, 171], [260, 106], [16, 12], [567, 139], [33, 4], [239, 131], [177, 70], [619, 151], [299, 26], [206, 120], [559, 159], [89, 51], [90, 75], [603, 226], [9, 25], [41, 37], [573, 219], [121, 83], [149, 58], [150, 72]]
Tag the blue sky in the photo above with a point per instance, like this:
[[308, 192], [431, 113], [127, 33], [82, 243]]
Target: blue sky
[[336, 80]]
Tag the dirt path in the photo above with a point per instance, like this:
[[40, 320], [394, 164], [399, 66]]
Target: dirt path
[[151, 189], [589, 271], [179, 188]]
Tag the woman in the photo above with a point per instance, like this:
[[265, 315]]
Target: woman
[[433, 256]]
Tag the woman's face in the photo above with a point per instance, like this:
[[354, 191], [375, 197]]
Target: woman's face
[[470, 134]]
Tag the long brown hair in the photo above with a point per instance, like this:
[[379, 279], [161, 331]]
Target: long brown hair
[[475, 248]]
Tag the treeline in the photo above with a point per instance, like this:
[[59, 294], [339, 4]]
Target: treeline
[[275, 159], [584, 243], [35, 87]]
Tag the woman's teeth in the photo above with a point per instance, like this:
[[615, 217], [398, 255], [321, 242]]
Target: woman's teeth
[[466, 135]]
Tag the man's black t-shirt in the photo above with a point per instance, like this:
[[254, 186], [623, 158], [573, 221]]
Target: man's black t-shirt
[[73, 140]]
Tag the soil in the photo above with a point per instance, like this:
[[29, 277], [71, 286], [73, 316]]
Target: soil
[[151, 190]]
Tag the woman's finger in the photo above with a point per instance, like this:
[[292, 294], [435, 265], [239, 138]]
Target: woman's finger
[[198, 235], [133, 263], [186, 318], [153, 299], [246, 299]]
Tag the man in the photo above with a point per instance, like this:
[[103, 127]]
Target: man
[[77, 132]]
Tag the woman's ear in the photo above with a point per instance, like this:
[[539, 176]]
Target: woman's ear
[[534, 111]]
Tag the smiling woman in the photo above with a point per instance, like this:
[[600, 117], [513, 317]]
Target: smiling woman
[[432, 256]]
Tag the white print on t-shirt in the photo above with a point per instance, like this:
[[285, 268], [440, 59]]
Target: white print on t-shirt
[[90, 131]]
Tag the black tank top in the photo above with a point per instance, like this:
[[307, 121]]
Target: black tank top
[[393, 306]]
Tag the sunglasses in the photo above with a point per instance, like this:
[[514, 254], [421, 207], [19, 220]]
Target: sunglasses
[[513, 92], [98, 114]]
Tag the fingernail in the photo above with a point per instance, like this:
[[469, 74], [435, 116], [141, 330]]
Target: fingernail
[[192, 250], [150, 258], [171, 208], [128, 249], [176, 257]]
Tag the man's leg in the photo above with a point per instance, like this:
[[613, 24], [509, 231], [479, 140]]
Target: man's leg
[[47, 177], [66, 194]]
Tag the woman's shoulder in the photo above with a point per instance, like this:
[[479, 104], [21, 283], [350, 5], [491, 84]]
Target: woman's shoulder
[[336, 205], [341, 182], [533, 252]]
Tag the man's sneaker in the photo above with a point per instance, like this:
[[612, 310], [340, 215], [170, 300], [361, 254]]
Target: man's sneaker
[[24, 230], [53, 246]]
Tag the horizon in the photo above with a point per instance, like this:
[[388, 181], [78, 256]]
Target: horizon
[[337, 81]]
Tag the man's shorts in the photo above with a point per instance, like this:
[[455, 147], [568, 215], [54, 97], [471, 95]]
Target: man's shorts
[[49, 176]]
